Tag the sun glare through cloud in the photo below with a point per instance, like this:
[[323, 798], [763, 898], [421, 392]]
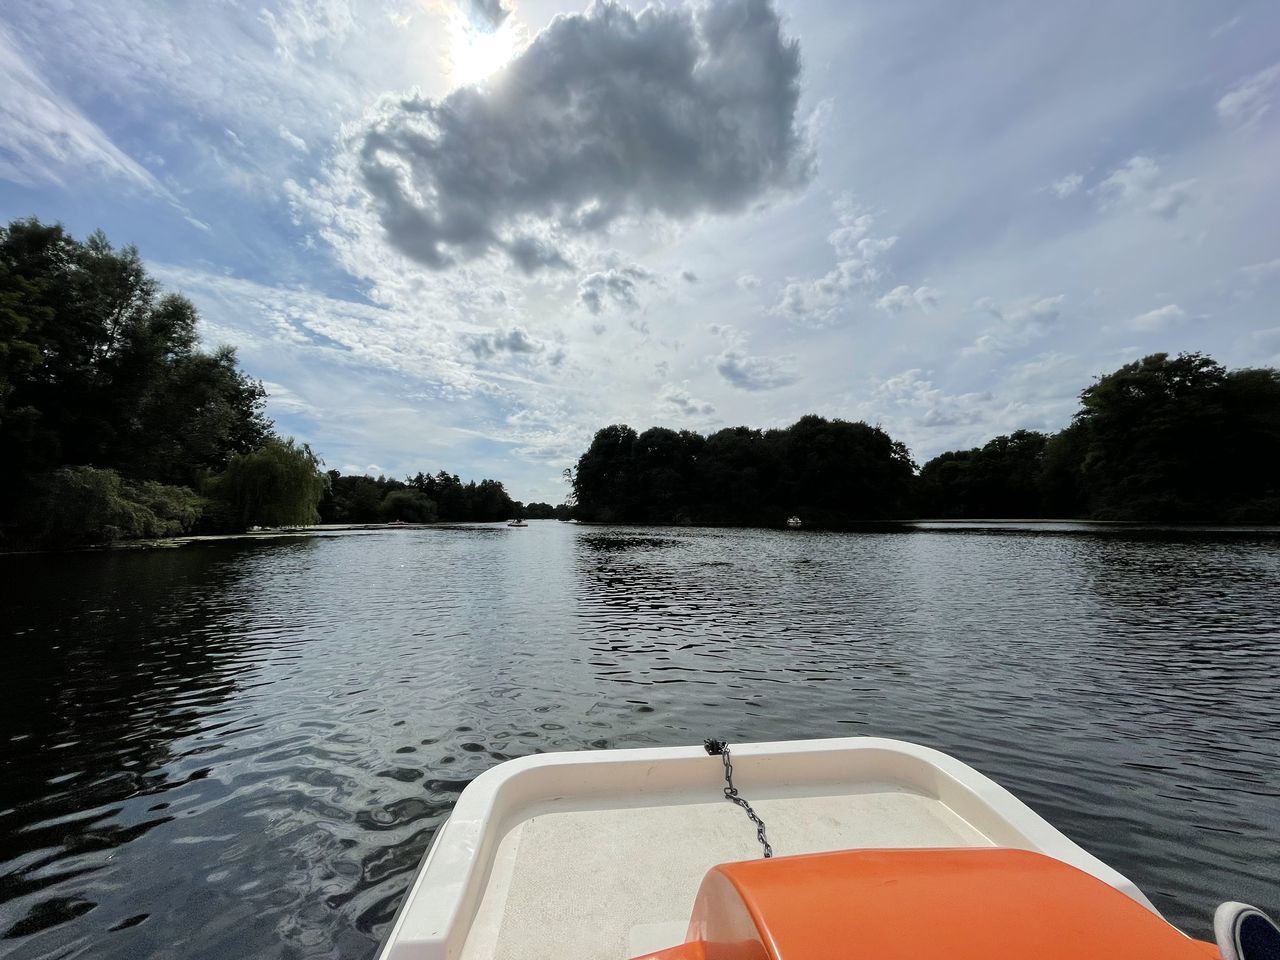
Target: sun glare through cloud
[[477, 50]]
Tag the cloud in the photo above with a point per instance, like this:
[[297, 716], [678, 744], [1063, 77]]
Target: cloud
[[913, 393], [903, 297], [1159, 319], [748, 281], [820, 302], [43, 135], [1137, 184], [292, 139], [688, 276], [616, 285], [1017, 324], [514, 341], [607, 115], [299, 27], [1224, 27], [755, 373], [1261, 271], [677, 402], [486, 15], [1266, 343], [1249, 100], [1066, 186]]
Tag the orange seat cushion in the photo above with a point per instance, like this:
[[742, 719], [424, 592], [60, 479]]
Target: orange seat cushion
[[954, 904]]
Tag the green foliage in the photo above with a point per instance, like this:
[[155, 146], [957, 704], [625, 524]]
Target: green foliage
[[1000, 479], [97, 366], [278, 485], [85, 505], [358, 499], [1163, 438], [831, 472], [407, 506]]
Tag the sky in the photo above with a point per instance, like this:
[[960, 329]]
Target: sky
[[466, 234]]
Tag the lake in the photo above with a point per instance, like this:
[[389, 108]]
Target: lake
[[242, 748]]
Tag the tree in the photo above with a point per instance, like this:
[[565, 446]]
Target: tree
[[278, 485], [1000, 479], [1162, 438], [98, 367], [84, 505], [604, 480], [833, 472], [407, 506], [1156, 431]]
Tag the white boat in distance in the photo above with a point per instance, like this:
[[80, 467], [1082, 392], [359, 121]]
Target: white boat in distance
[[880, 848], [793, 522], [516, 523]]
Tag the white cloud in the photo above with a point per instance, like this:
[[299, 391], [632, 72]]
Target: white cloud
[[913, 393], [1017, 324], [822, 301], [1138, 184], [1160, 318], [903, 297], [298, 27], [1225, 27], [44, 137], [1249, 100], [1261, 271], [1066, 186], [748, 281], [292, 139]]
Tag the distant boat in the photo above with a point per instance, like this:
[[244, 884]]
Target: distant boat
[[516, 523], [793, 521]]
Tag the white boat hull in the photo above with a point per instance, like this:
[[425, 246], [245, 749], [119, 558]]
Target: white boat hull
[[600, 854]]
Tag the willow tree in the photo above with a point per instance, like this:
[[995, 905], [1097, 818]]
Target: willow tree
[[278, 485]]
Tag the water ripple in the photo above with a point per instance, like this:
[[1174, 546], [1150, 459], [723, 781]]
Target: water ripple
[[244, 749]]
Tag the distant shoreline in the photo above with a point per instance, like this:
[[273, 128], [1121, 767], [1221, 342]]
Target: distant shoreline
[[1061, 525]]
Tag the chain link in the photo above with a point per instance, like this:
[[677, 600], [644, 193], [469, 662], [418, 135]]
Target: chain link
[[714, 747]]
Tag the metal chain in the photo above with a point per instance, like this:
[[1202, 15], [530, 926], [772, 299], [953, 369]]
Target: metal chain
[[716, 747]]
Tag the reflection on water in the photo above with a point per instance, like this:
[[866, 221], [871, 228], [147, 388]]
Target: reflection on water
[[242, 750]]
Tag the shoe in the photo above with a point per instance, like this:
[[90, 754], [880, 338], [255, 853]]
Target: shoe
[[1245, 933]]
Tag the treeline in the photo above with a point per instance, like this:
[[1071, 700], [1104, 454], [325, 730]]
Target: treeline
[[831, 473], [1163, 438], [115, 424], [422, 498]]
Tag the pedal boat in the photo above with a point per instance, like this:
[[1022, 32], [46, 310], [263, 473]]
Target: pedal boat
[[881, 849]]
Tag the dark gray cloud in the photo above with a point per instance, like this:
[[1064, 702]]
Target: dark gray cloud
[[617, 285], [514, 341], [486, 15], [674, 112], [677, 401], [755, 373]]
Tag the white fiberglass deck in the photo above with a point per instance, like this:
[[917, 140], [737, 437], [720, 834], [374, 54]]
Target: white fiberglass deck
[[634, 872], [598, 855]]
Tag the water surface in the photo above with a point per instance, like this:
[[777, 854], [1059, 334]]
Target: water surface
[[242, 749]]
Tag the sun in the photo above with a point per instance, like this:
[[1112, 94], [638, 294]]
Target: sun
[[476, 53]]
